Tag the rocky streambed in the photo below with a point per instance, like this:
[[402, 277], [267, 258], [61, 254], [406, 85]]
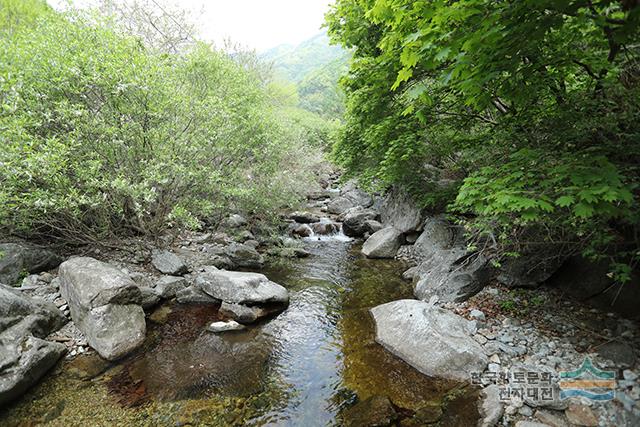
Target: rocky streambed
[[363, 311]]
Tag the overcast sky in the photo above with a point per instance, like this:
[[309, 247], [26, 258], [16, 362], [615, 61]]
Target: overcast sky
[[258, 24]]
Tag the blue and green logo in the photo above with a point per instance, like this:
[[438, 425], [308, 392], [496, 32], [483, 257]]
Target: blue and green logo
[[588, 381]]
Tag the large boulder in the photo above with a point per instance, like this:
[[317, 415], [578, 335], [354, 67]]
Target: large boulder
[[31, 316], [304, 217], [434, 341], [398, 210], [238, 287], [24, 356], [350, 197], [104, 304], [383, 243], [16, 259], [168, 263], [23, 361], [245, 256], [589, 281], [531, 268], [447, 270], [355, 221]]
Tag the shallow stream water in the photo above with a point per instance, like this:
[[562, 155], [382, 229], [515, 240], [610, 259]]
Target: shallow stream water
[[301, 368]]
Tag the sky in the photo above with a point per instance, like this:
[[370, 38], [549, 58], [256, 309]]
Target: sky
[[257, 24]]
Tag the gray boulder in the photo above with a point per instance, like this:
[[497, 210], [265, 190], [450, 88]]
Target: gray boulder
[[304, 217], [16, 259], [194, 295], [325, 228], [434, 341], [235, 221], [168, 286], [350, 198], [398, 210], [150, 297], [104, 304], [302, 230], [383, 243], [354, 221], [168, 263], [27, 316], [447, 269], [244, 256], [23, 361], [490, 407], [241, 288], [532, 268]]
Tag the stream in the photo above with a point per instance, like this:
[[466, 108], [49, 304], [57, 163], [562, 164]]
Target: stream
[[301, 368]]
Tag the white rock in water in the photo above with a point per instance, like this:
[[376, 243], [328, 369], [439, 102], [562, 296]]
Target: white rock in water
[[231, 325]]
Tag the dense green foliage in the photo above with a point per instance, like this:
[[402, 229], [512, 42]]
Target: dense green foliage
[[314, 67], [527, 109], [101, 134]]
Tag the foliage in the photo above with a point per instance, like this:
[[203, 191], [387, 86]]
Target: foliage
[[101, 134], [530, 108]]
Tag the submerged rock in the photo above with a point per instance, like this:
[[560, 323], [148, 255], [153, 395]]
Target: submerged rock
[[383, 244], [17, 258], [168, 263], [105, 305], [376, 411], [434, 341], [248, 314]]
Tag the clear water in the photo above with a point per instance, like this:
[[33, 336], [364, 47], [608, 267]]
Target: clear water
[[301, 368]]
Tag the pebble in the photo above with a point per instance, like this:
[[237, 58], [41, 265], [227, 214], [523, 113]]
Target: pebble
[[629, 375], [525, 411], [478, 315], [495, 359]]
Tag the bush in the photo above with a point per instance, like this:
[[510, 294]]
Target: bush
[[101, 135]]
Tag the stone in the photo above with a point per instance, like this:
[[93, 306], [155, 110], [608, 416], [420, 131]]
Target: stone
[[383, 244], [581, 415], [589, 281], [447, 269], [550, 419], [325, 228], [167, 286], [478, 315], [530, 399], [490, 407], [629, 375], [168, 263], [24, 361], [104, 304], [398, 210], [354, 221], [241, 288], [620, 353], [150, 297], [531, 268], [350, 198], [194, 295], [432, 340], [231, 325], [429, 414], [244, 256], [301, 230], [373, 226], [304, 217], [235, 221], [376, 411], [17, 259], [27, 316]]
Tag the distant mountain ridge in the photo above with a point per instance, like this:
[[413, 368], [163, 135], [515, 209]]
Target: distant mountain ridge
[[294, 63]]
